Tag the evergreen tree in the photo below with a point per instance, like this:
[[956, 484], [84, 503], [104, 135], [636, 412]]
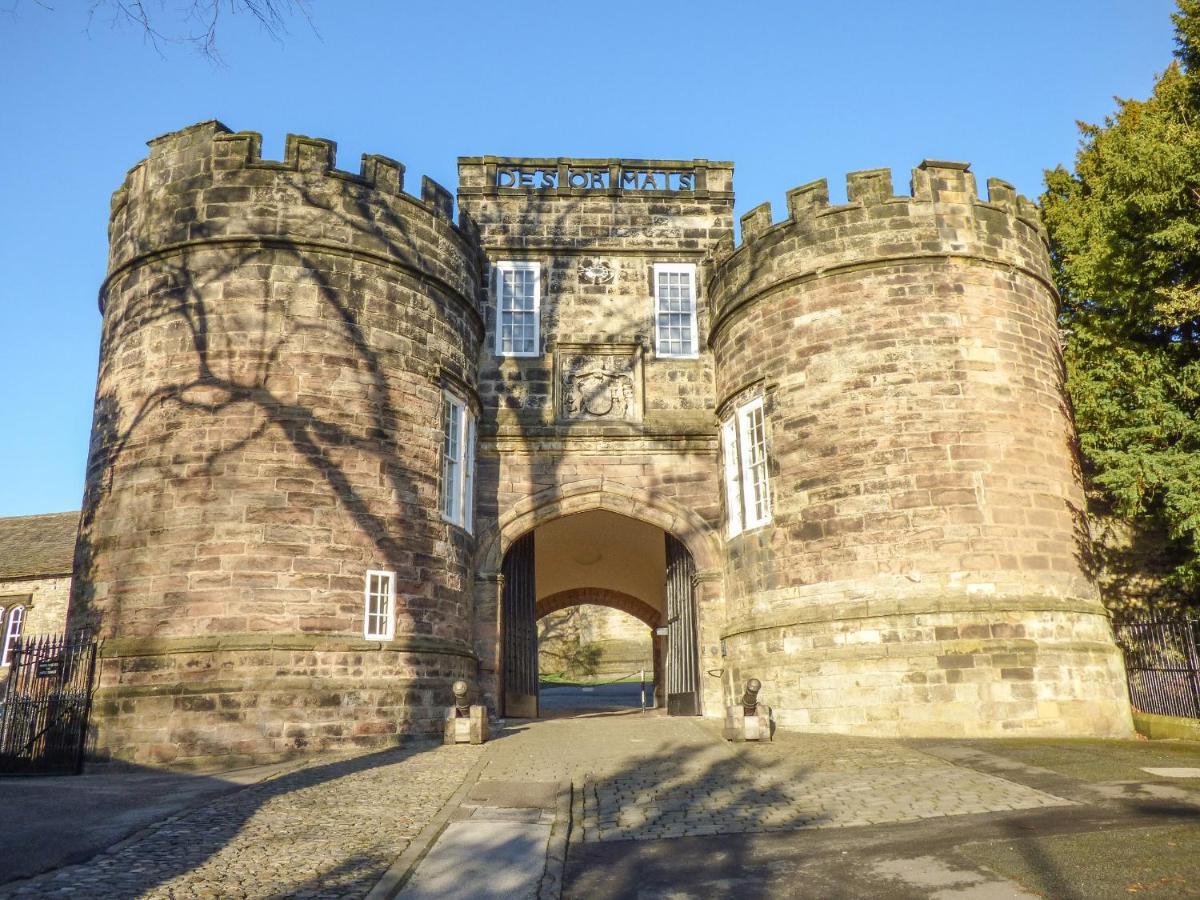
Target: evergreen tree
[[1125, 242]]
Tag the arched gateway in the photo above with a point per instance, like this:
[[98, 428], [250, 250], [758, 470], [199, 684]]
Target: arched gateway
[[596, 542], [328, 414]]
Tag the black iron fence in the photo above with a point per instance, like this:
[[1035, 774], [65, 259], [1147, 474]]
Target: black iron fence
[[1162, 664], [43, 720]]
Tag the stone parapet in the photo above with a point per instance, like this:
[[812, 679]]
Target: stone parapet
[[208, 185], [942, 219]]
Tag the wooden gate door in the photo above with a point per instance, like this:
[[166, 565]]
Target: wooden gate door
[[683, 663], [518, 627]]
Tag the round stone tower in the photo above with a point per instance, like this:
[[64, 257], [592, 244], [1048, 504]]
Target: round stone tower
[[278, 340], [925, 569]]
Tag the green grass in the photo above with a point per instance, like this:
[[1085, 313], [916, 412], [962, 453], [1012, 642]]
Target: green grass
[[1092, 759], [1095, 865]]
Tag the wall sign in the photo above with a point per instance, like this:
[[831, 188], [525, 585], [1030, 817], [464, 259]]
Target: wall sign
[[628, 179]]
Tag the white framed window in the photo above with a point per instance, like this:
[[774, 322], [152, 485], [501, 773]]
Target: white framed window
[[379, 596], [675, 310], [518, 308], [733, 477], [458, 462], [11, 632], [744, 447]]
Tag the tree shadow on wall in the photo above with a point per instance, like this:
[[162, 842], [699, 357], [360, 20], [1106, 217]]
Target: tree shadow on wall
[[560, 647], [247, 332]]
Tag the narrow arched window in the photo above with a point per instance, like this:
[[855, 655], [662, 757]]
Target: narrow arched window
[[11, 633]]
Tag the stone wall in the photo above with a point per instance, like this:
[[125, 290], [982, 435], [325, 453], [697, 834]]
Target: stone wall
[[613, 642], [277, 341], [44, 599], [923, 572], [277, 338]]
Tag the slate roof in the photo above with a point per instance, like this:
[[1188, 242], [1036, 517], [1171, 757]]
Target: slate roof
[[37, 545]]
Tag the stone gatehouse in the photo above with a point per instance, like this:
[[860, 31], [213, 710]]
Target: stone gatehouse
[[349, 447]]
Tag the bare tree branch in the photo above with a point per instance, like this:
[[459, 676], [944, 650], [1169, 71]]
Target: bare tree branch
[[190, 23]]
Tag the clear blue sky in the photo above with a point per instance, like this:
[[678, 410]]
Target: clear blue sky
[[790, 91]]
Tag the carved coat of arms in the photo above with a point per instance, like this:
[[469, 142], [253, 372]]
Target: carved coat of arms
[[599, 386]]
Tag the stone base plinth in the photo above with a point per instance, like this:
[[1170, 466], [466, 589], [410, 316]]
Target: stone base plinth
[[215, 703], [1026, 667], [741, 727], [469, 729]]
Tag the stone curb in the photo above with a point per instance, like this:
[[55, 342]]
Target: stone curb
[[398, 873], [578, 801], [551, 885]]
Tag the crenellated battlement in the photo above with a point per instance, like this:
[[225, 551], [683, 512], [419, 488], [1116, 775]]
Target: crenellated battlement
[[941, 216], [933, 181], [301, 154], [208, 183]]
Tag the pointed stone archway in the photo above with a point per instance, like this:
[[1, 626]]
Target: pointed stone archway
[[660, 522], [651, 507]]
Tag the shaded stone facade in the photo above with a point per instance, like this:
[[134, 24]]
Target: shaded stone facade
[[278, 342]]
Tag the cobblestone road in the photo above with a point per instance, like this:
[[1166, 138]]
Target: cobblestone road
[[798, 781], [331, 829], [647, 777], [328, 830]]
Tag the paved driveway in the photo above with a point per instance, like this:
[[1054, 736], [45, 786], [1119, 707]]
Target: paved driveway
[[660, 807]]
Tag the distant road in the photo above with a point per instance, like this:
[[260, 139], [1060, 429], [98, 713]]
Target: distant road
[[566, 700]]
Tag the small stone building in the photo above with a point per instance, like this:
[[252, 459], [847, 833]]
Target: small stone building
[[36, 556], [349, 446]]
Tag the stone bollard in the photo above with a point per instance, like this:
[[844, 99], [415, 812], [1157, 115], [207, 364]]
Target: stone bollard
[[749, 720], [465, 724]]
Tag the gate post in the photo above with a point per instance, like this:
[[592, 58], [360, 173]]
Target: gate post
[[489, 588], [709, 591]]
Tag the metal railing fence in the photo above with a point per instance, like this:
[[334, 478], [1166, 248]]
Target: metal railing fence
[[1162, 664], [43, 720]]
